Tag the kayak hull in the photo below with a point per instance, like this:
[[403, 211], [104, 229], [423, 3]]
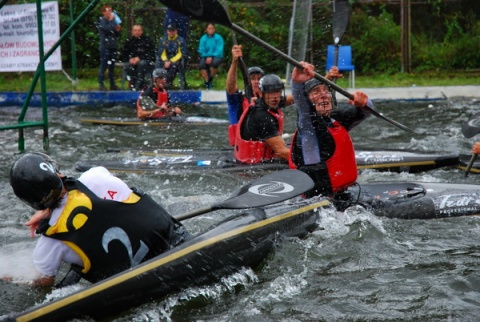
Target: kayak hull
[[164, 121], [416, 200], [223, 160], [244, 240]]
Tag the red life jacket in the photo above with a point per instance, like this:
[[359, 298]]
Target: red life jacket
[[162, 97], [251, 152], [232, 128], [342, 165]]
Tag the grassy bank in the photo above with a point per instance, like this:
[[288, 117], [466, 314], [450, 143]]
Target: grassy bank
[[87, 80]]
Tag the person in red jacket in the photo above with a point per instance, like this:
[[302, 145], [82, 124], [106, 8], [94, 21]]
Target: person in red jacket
[[153, 102], [322, 146], [258, 136]]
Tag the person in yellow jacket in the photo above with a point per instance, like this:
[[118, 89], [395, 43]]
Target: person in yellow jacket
[[170, 52]]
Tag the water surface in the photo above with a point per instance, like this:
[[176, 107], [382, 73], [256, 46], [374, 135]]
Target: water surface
[[354, 267]]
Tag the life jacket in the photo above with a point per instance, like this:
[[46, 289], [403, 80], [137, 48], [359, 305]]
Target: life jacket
[[251, 152], [162, 97], [342, 165], [111, 236]]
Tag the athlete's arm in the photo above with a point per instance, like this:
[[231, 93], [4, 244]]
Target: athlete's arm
[[278, 145]]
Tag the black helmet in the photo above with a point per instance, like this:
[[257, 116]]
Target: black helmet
[[34, 180], [255, 70], [310, 84], [159, 73], [271, 83]]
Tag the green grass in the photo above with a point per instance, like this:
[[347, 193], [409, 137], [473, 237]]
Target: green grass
[[87, 80]]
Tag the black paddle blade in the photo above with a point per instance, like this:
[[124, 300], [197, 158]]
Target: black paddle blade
[[340, 19], [204, 10], [269, 189], [472, 126]]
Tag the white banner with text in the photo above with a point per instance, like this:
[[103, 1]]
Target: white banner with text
[[19, 50]]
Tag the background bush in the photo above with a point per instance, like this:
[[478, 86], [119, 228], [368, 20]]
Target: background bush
[[445, 34]]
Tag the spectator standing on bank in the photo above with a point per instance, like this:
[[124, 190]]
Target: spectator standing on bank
[[109, 31], [210, 48], [171, 50], [138, 56]]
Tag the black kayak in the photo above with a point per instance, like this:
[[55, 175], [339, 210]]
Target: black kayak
[[164, 121], [414, 200], [245, 240], [223, 160]]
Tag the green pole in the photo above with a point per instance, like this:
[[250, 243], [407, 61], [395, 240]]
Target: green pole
[[67, 32], [74, 50], [41, 69]]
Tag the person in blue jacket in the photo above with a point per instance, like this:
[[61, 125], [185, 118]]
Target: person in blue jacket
[[109, 31], [210, 48]]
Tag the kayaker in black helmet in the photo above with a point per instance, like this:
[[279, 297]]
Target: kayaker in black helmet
[[95, 223], [259, 132], [238, 101], [322, 146]]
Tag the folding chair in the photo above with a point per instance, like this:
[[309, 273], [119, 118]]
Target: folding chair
[[344, 61]]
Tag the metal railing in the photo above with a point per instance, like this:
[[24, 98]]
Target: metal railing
[[40, 74]]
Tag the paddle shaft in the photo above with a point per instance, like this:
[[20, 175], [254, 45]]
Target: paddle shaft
[[332, 85], [470, 164], [289, 59], [243, 66], [194, 213]]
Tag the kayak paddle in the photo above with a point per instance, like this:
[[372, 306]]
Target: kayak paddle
[[243, 69], [470, 164], [266, 190], [213, 11], [470, 129], [339, 25]]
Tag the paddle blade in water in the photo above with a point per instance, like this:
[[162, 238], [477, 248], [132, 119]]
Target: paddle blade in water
[[204, 10]]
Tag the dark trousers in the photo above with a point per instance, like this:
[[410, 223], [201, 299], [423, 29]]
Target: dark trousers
[[139, 75], [108, 57], [171, 72]]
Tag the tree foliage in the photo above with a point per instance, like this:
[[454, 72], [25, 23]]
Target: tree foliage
[[445, 34]]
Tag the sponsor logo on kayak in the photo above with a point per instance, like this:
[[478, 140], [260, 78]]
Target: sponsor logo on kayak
[[271, 189], [162, 160], [460, 204], [371, 157]]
